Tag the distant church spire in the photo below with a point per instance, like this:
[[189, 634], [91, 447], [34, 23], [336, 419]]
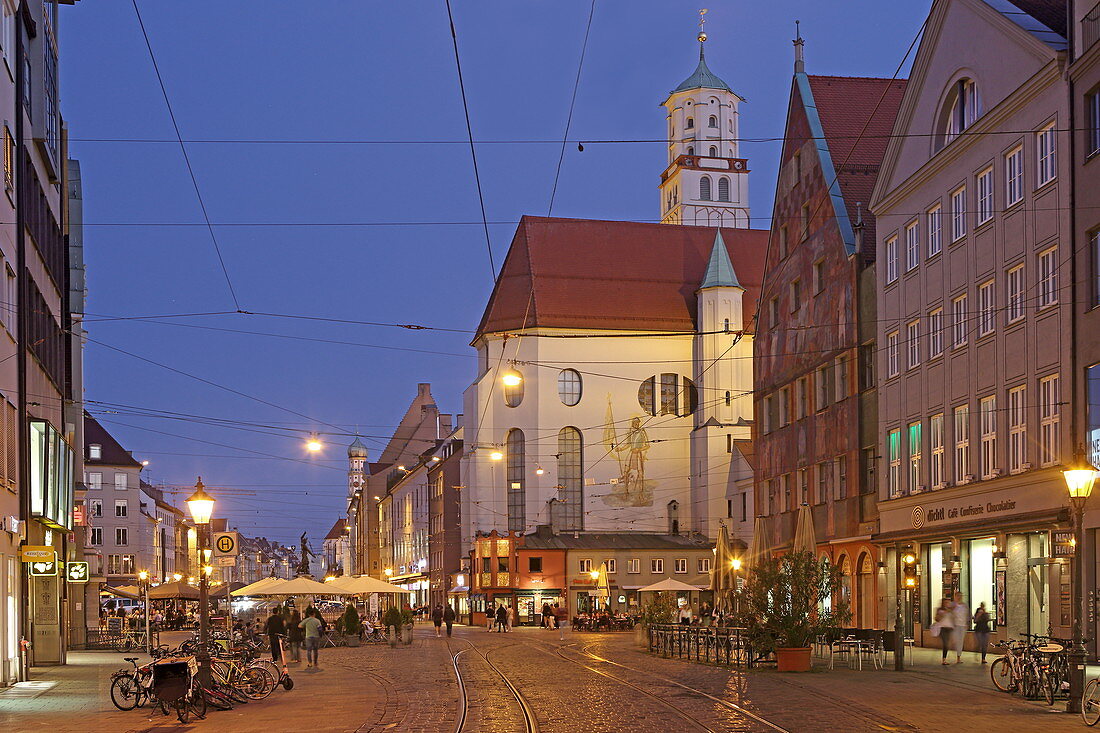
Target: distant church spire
[[799, 44]]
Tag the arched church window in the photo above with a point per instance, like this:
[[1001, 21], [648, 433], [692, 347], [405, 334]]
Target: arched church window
[[723, 189], [569, 387], [690, 123], [713, 121], [713, 151], [674, 517], [729, 398], [571, 477], [704, 188], [517, 497], [513, 393], [960, 110], [691, 150]]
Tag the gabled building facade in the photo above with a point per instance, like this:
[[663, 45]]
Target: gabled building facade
[[975, 308], [816, 429]]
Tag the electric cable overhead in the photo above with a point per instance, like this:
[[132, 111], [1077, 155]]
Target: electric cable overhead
[[473, 148], [572, 104], [186, 157]]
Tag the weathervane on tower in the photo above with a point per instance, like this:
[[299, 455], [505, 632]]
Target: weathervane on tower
[[702, 21]]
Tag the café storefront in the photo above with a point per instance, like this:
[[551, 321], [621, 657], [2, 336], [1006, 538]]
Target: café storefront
[[1008, 546]]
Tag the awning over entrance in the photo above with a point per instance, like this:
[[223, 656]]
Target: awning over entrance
[[988, 525]]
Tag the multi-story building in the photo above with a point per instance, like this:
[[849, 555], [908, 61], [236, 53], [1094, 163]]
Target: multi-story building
[[334, 548], [121, 511], [447, 559], [1084, 242], [403, 527], [975, 355], [544, 566], [36, 371], [420, 429], [817, 430]]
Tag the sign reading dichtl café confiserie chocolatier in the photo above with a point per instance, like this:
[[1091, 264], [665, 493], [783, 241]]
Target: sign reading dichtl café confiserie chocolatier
[[926, 516]]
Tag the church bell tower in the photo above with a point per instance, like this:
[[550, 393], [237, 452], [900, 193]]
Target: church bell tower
[[706, 182]]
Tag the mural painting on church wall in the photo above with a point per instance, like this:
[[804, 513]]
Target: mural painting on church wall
[[631, 488]]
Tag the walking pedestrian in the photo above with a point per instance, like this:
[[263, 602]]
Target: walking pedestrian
[[561, 618], [312, 627], [547, 615], [449, 618], [502, 619], [685, 614], [294, 636], [274, 628], [437, 618], [981, 629], [944, 625], [961, 613]]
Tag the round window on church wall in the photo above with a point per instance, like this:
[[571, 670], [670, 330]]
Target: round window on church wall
[[569, 387], [668, 394]]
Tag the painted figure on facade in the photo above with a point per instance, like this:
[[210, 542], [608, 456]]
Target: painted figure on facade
[[631, 488]]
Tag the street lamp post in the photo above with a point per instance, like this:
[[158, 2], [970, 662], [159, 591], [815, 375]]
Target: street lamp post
[[1080, 477], [143, 576], [201, 506]]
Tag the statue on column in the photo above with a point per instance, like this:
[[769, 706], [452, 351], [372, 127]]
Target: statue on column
[[304, 565]]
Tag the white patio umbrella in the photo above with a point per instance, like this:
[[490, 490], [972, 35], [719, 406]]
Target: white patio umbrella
[[760, 548], [300, 587], [669, 584], [249, 590], [363, 584], [805, 540]]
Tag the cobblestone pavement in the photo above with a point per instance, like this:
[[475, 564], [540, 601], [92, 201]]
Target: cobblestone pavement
[[590, 682]]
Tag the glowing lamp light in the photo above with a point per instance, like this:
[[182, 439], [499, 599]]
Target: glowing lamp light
[[539, 471], [1080, 477], [511, 378], [735, 563], [143, 576], [330, 578], [200, 504], [909, 558], [206, 555], [595, 574], [313, 445], [388, 572], [496, 455], [145, 463], [436, 459], [177, 577], [910, 582], [207, 569]]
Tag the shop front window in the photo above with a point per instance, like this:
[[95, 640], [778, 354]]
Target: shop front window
[[982, 567]]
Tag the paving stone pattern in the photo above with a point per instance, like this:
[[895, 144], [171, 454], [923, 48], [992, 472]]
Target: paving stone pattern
[[371, 689]]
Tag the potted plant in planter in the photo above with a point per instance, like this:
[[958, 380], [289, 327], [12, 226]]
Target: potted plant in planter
[[407, 625], [350, 625], [788, 602], [660, 610], [392, 620]]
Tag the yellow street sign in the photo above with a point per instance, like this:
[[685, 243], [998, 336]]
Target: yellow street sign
[[30, 553]]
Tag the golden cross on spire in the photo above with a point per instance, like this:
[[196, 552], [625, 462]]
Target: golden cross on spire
[[702, 21]]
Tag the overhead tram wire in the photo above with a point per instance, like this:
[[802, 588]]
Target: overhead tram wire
[[186, 157], [572, 104], [473, 148]]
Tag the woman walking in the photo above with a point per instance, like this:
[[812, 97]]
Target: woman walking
[[945, 625], [294, 636], [981, 629]]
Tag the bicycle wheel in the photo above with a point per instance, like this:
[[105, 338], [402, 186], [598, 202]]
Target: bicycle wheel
[[1001, 673], [1029, 683], [1090, 703], [197, 702], [256, 682], [1049, 683], [125, 692], [183, 710]]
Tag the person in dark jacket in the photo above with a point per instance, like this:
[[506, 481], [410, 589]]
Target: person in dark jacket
[[981, 629], [437, 619], [274, 628], [449, 618], [502, 619], [294, 636], [547, 615]]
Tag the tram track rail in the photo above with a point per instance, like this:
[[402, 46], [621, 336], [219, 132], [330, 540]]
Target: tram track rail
[[557, 651], [530, 721]]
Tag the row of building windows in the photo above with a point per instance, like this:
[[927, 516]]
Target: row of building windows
[[825, 481], [120, 564], [911, 478], [633, 565], [570, 457], [981, 321], [827, 385], [122, 537], [1047, 170], [95, 480], [712, 123]]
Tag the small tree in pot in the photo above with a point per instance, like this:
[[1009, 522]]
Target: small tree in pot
[[660, 610], [407, 621], [787, 602], [392, 619], [350, 625]]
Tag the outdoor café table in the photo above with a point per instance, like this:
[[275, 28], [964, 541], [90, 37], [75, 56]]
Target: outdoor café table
[[854, 648]]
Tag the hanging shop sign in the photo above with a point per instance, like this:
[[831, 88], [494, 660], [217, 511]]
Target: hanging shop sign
[[77, 572], [44, 568], [1062, 544], [30, 553]]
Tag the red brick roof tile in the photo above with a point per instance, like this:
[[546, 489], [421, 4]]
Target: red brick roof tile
[[613, 275]]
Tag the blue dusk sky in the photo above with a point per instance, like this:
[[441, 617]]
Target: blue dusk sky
[[323, 224]]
